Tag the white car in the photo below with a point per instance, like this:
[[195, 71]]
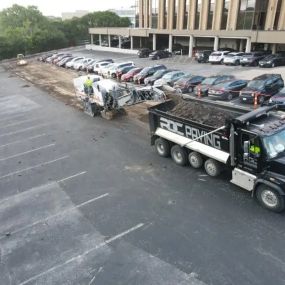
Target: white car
[[71, 63], [112, 72], [82, 63], [233, 58], [217, 56], [99, 65], [104, 70]]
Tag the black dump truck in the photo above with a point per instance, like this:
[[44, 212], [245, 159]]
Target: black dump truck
[[251, 144]]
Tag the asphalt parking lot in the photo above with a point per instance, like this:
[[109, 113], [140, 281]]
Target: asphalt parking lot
[[87, 201]]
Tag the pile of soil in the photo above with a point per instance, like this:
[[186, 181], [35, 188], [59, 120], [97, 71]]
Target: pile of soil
[[202, 113]]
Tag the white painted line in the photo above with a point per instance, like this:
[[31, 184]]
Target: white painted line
[[57, 215], [28, 151], [26, 139], [72, 176], [18, 123], [18, 195], [33, 167], [4, 118], [22, 130], [102, 244]]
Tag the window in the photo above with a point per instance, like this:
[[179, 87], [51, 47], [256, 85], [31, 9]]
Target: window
[[210, 14], [154, 14], [197, 14], [175, 14], [225, 14], [186, 14]]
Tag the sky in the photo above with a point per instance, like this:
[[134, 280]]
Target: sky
[[55, 8]]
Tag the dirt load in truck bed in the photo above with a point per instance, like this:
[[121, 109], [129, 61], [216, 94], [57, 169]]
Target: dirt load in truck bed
[[202, 113]]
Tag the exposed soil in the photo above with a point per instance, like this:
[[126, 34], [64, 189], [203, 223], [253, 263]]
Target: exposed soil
[[202, 113]]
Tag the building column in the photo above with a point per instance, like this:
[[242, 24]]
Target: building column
[[120, 42], [204, 15], [132, 42], [217, 16], [100, 39], [191, 15], [191, 44], [154, 41], [170, 14], [170, 43], [216, 43], [109, 40], [233, 15], [248, 45], [281, 22], [273, 48], [270, 15], [91, 39]]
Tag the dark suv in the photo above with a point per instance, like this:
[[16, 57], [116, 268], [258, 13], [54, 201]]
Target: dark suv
[[273, 60], [146, 72], [144, 52], [264, 86], [158, 54], [203, 55], [253, 58]]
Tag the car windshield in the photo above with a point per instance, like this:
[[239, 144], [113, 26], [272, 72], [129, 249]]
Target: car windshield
[[216, 54], [256, 84], [168, 75], [159, 73], [274, 144], [145, 70], [248, 55], [209, 80], [270, 57]]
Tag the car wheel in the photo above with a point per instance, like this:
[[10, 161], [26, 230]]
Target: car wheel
[[273, 64], [270, 199], [237, 62], [212, 167], [230, 97], [179, 155], [158, 57], [195, 159], [190, 89], [162, 147]]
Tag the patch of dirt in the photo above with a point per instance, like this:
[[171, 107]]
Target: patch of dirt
[[57, 81], [202, 113]]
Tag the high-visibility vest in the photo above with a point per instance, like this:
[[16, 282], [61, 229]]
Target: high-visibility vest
[[88, 83], [255, 149]]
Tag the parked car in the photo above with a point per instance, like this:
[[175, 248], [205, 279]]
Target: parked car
[[233, 58], [203, 56], [264, 86], [92, 67], [179, 49], [209, 82], [104, 70], [146, 72], [217, 56], [89, 66], [97, 67], [252, 58], [71, 63], [123, 70], [278, 99], [169, 78], [51, 58], [158, 74], [187, 83], [59, 58], [81, 63], [227, 90], [129, 76], [273, 60], [144, 52], [112, 72], [44, 57], [65, 60], [158, 54], [226, 49]]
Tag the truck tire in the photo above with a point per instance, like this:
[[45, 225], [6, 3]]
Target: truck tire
[[162, 147], [270, 199], [195, 159], [212, 167], [179, 155]]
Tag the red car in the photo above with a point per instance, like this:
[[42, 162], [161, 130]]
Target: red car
[[129, 76]]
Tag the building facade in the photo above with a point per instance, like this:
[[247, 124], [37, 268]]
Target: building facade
[[129, 13], [76, 14], [244, 25]]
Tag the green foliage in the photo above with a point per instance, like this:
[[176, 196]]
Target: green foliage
[[26, 30]]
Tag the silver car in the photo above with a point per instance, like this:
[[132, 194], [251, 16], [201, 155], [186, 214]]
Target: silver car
[[233, 58]]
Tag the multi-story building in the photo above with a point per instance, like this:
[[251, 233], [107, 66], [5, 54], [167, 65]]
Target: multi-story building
[[244, 25], [76, 14], [128, 12]]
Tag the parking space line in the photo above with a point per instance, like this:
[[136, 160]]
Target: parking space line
[[22, 140], [18, 123], [4, 118], [100, 245], [33, 167], [72, 176], [58, 214], [28, 151], [22, 130]]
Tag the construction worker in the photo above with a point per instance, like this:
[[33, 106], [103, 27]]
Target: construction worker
[[255, 150], [88, 89]]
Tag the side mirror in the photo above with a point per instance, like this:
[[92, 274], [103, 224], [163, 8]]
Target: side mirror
[[246, 148]]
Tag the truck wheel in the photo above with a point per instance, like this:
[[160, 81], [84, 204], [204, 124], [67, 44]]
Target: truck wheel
[[179, 155], [195, 159], [212, 167], [270, 199], [162, 147]]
